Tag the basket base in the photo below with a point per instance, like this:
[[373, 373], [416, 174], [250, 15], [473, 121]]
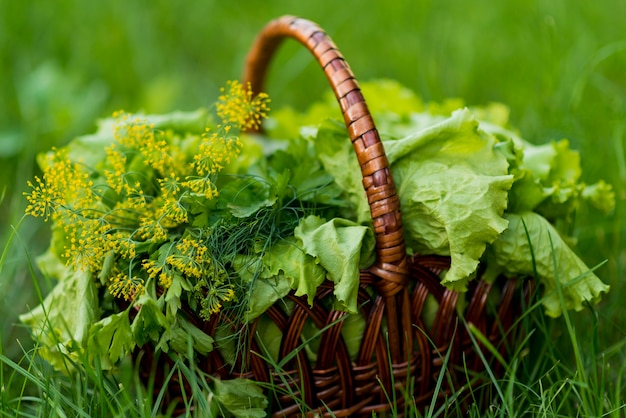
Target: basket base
[[334, 380]]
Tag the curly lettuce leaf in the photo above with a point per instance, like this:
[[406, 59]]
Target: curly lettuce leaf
[[335, 250], [392, 104], [601, 196], [531, 246], [342, 248], [453, 189], [283, 268], [61, 323], [452, 181], [264, 292]]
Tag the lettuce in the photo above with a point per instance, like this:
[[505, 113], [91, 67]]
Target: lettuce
[[452, 185], [239, 398], [284, 267], [335, 250], [341, 247], [531, 246], [462, 175], [63, 320], [453, 191], [111, 339]]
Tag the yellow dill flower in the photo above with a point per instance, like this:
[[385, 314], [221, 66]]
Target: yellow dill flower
[[191, 258], [156, 151], [115, 176], [123, 286], [165, 280], [151, 229], [170, 186], [185, 265], [151, 267], [65, 185], [149, 199], [215, 296], [124, 245], [237, 107], [200, 187], [161, 272], [87, 245], [214, 153], [169, 212], [137, 134], [43, 199]]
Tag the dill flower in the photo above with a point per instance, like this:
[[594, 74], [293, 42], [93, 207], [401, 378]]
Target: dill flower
[[158, 271], [123, 286], [88, 243], [214, 293], [237, 107], [65, 185], [149, 191], [191, 258], [43, 199]]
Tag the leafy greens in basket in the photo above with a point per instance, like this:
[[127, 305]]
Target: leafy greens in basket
[[469, 187], [152, 214]]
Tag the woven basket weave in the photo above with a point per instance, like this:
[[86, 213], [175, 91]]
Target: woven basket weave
[[400, 357]]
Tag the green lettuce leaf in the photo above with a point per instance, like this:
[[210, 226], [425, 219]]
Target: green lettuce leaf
[[264, 292], [601, 196], [283, 268], [240, 398], [338, 158], [532, 246], [271, 337], [61, 323], [341, 247], [301, 270], [453, 189]]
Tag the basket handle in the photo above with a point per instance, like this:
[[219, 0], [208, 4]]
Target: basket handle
[[391, 265]]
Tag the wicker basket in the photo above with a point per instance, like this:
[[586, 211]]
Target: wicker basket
[[400, 357]]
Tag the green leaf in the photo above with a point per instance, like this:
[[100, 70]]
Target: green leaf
[[174, 293], [341, 247], [150, 321], [339, 160], [271, 337], [287, 258], [283, 268], [601, 196], [241, 397], [178, 335], [265, 291], [453, 189], [352, 333], [62, 322], [527, 247], [111, 339], [244, 196]]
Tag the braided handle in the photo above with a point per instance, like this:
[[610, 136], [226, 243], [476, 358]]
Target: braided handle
[[391, 265]]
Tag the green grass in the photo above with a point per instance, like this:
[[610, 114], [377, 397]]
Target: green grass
[[558, 64]]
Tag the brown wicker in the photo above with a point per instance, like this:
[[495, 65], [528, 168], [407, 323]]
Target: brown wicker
[[400, 357]]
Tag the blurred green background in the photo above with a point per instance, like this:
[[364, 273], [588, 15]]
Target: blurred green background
[[558, 64]]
